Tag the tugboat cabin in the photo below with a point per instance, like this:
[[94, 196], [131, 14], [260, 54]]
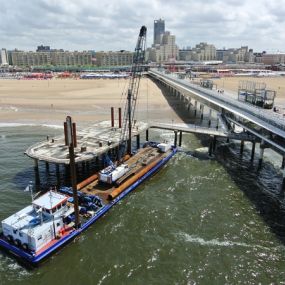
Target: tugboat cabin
[[36, 225]]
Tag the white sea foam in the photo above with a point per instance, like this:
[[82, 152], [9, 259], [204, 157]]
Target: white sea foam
[[11, 125], [218, 243], [12, 108]]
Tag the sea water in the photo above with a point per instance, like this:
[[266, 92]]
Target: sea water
[[197, 221]]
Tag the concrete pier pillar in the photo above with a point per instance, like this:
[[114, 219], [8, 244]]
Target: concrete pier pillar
[[195, 108], [120, 117], [67, 173], [83, 166], [180, 138], [252, 151], [189, 105], [112, 117], [57, 175], [241, 146], [210, 151], [283, 181], [217, 124], [146, 135], [202, 111], [37, 173], [283, 163], [138, 141], [214, 143], [175, 138], [47, 167], [210, 117], [261, 153], [97, 163], [87, 167]]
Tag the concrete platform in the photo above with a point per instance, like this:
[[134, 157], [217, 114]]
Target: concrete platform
[[91, 142]]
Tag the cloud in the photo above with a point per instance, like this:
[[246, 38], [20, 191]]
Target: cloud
[[114, 25]]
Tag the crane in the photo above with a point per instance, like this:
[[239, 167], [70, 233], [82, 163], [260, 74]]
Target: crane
[[133, 88]]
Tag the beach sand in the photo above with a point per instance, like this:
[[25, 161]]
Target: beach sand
[[87, 101]]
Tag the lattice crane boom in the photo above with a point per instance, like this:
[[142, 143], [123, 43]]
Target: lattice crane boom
[[133, 88]]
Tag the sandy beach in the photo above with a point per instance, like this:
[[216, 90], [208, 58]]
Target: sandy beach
[[87, 101]]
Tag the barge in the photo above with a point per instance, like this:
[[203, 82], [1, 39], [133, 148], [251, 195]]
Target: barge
[[40, 229]]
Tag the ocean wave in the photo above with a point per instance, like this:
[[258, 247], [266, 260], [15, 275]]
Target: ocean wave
[[11, 125]]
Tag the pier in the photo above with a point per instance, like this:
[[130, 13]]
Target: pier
[[226, 119], [258, 125]]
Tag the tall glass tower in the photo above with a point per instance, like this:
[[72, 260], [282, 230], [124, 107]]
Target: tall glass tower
[[158, 31]]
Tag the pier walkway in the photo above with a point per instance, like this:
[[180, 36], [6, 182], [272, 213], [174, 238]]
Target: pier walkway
[[264, 124]]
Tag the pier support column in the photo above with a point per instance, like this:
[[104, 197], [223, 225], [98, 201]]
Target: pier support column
[[214, 143], [97, 163], [175, 138], [210, 151], [112, 117], [283, 163], [180, 138], [241, 146], [67, 174], [87, 167], [37, 173], [210, 117], [217, 124], [202, 111], [195, 108], [283, 181], [252, 151], [47, 167], [261, 153], [138, 141], [146, 135], [57, 175], [83, 166], [120, 117]]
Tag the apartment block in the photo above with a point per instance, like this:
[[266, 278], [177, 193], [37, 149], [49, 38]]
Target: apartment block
[[51, 57], [114, 58]]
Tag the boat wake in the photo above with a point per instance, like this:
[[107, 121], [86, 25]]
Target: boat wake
[[217, 243]]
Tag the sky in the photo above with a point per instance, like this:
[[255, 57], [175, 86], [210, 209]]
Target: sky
[[114, 24]]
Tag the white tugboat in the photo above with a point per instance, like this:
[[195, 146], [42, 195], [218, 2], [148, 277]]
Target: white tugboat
[[37, 225]]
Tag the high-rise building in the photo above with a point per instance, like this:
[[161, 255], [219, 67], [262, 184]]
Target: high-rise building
[[158, 31], [166, 51], [4, 57]]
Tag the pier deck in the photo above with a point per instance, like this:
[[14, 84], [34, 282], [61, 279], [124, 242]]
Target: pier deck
[[91, 142]]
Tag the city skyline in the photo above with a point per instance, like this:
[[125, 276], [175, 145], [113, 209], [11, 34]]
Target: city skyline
[[113, 26]]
